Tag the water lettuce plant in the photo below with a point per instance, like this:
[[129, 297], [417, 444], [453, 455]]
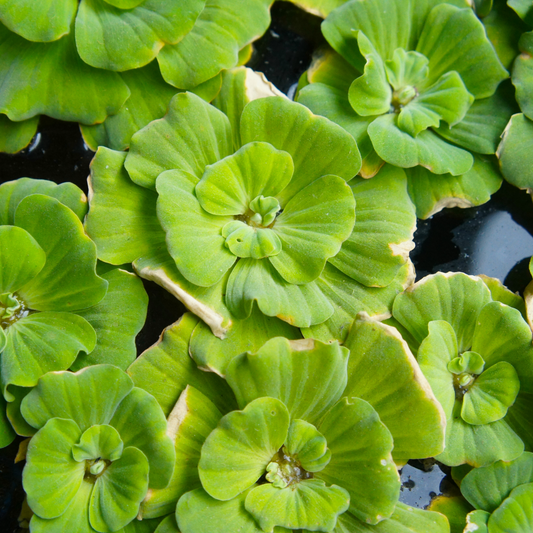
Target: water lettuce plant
[[65, 59], [244, 221], [477, 355], [101, 444], [55, 311], [416, 84], [297, 437]]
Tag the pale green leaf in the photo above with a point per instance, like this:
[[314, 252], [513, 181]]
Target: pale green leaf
[[257, 280], [14, 136], [314, 224], [361, 459], [246, 335], [237, 452], [165, 370], [119, 491], [115, 38], [88, 397], [523, 74], [40, 343], [383, 371], [320, 8], [427, 149], [43, 21], [191, 136], [228, 186], [515, 513], [317, 146], [308, 504], [74, 92], [307, 376], [194, 236], [148, 434], [221, 30], [7, 435], [308, 445], [52, 477], [68, 281], [406, 69], [98, 442]]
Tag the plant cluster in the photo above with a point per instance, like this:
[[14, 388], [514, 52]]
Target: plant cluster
[[309, 367]]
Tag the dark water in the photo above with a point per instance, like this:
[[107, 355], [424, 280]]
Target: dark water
[[495, 239]]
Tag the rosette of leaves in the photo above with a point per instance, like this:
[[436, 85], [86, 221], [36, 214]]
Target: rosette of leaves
[[476, 353], [101, 443], [514, 152], [250, 225], [296, 431], [65, 59], [55, 311], [495, 498], [416, 84]]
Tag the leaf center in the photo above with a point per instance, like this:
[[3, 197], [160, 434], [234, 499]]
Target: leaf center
[[285, 469], [95, 468], [12, 308], [465, 369]]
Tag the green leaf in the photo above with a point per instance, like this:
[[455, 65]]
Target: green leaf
[[314, 224], [75, 519], [478, 520], [21, 258], [406, 68], [148, 434], [13, 413], [15, 136], [177, 141], [383, 371], [491, 394], [320, 8], [427, 149], [40, 343], [382, 236], [455, 39], [500, 293], [361, 459], [481, 127], [320, 148], [75, 92], [523, 9], [478, 445], [289, 371], [165, 370], [119, 38], [68, 281], [117, 320], [435, 354], [257, 169], [41, 22], [308, 504], [454, 297], [237, 452], [447, 99], [431, 193], [306, 443], [247, 335], [221, 30], [454, 508], [190, 230], [167, 525], [98, 442], [370, 94], [119, 491], [348, 298], [514, 152], [405, 519], [487, 487], [257, 280], [523, 74], [197, 512], [515, 513], [12, 192], [7, 435], [468, 361], [247, 241], [149, 100], [193, 418], [240, 86], [88, 397], [118, 202], [52, 477], [124, 4]]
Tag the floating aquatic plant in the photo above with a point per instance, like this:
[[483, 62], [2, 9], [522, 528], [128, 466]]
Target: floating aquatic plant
[[477, 355], [101, 444], [399, 81]]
